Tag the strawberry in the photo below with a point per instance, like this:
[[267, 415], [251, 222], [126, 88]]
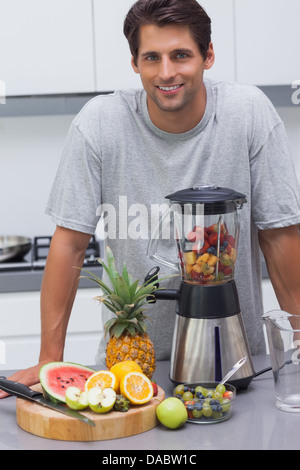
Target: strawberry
[[231, 240], [215, 227], [213, 239], [212, 229], [227, 270], [228, 248], [191, 236], [204, 248], [155, 389]]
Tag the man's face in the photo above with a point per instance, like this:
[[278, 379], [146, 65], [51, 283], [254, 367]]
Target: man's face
[[171, 67]]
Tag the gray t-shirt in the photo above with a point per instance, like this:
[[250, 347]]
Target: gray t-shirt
[[115, 155]]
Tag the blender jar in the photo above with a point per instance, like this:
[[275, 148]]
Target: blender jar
[[206, 231]]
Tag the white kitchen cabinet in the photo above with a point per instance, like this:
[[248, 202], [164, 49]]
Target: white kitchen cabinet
[[267, 41], [46, 46], [112, 54], [20, 329], [223, 36]]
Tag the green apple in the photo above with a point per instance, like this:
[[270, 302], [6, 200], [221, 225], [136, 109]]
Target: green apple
[[101, 401], [76, 399], [172, 413]]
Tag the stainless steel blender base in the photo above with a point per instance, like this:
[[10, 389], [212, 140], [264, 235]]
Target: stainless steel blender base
[[206, 349]]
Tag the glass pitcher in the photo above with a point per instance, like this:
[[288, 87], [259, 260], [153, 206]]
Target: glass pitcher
[[283, 334], [205, 222]]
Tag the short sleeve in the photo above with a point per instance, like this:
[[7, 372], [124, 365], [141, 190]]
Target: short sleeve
[[274, 184], [76, 191]]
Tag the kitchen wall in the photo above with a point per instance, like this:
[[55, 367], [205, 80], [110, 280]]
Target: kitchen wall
[[30, 149]]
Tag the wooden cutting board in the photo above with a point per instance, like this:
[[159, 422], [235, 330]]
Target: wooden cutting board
[[44, 422]]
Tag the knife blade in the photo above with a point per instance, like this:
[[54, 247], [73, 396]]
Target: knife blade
[[22, 391]]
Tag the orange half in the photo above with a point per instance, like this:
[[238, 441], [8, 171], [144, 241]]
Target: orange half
[[102, 379], [137, 388]]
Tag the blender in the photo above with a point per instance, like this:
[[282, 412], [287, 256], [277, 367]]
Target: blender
[[209, 334]]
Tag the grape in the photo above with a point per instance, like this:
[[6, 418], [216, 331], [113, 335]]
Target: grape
[[226, 405], [187, 395], [220, 388], [207, 411], [216, 414], [179, 389], [197, 413], [217, 395]]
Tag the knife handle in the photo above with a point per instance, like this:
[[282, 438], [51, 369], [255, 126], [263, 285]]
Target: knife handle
[[17, 389]]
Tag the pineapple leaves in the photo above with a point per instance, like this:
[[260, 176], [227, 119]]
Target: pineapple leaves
[[125, 298]]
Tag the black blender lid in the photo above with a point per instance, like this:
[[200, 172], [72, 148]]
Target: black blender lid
[[206, 195]]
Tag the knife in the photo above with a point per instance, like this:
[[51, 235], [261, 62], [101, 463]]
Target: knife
[[21, 391]]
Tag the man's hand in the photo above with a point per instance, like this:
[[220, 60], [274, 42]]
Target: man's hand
[[27, 377]]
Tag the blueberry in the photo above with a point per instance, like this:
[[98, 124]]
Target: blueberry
[[186, 389], [198, 406]]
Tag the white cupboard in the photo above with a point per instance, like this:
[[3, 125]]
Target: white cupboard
[[20, 329], [267, 41], [78, 46], [46, 47], [112, 54], [223, 38]]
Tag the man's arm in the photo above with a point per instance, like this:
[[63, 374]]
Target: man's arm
[[59, 287], [281, 249]]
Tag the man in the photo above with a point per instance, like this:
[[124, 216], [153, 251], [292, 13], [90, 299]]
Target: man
[[178, 131]]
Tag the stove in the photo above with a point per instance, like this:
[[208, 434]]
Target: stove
[[26, 274]]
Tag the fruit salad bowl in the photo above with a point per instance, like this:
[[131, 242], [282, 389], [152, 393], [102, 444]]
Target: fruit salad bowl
[[206, 402]]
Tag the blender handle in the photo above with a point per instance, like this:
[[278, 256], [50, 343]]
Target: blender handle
[[152, 276], [153, 245], [162, 294]]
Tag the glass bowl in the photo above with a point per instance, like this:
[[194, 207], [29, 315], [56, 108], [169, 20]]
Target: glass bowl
[[206, 402]]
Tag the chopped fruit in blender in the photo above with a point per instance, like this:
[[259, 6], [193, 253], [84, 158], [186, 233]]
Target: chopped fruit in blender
[[225, 259], [190, 257], [203, 258], [213, 238], [212, 260], [206, 269], [215, 227], [198, 229], [197, 268], [212, 256], [227, 270], [231, 240], [194, 236], [228, 247], [204, 248], [188, 268], [191, 237], [196, 276]]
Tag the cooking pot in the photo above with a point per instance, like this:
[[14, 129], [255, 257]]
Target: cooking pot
[[13, 247]]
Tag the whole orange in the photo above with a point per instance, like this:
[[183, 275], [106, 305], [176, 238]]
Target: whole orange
[[120, 369]]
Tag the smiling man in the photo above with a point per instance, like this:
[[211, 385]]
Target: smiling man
[[178, 131], [171, 68]]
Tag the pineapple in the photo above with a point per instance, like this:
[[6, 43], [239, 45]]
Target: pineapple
[[128, 338]]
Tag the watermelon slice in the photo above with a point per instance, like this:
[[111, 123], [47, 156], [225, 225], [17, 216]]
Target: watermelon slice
[[56, 377]]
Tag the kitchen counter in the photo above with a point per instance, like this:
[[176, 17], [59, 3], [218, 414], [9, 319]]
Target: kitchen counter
[[255, 425]]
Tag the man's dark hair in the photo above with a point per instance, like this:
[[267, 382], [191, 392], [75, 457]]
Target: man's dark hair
[[164, 12]]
